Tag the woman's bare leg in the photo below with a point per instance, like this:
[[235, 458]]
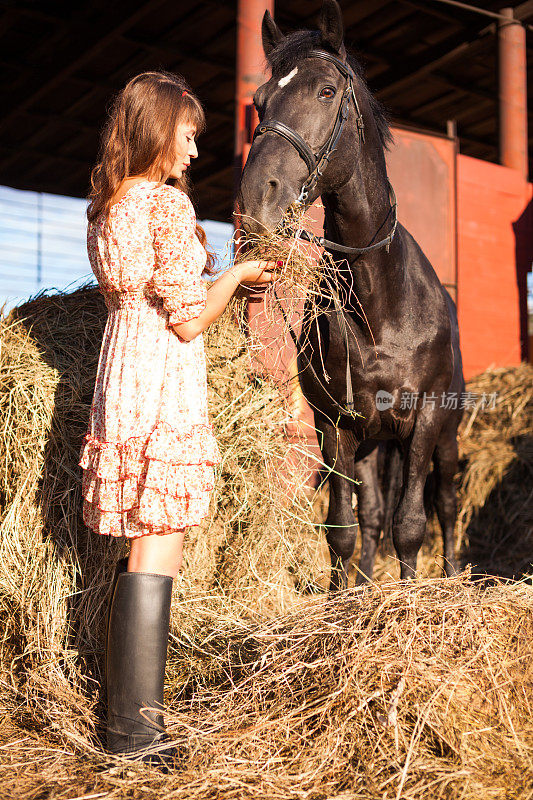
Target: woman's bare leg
[[160, 554]]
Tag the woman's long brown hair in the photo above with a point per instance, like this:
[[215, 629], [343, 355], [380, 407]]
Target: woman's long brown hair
[[139, 138]]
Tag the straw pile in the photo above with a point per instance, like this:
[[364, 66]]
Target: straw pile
[[55, 572], [496, 491], [400, 691], [417, 691]]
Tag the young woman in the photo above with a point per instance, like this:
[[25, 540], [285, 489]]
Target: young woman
[[149, 454]]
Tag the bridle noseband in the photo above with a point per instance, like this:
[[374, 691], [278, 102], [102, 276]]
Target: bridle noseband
[[316, 163]]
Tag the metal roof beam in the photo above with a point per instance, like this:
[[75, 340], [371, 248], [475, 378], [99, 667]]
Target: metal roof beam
[[413, 68], [460, 86], [524, 10], [434, 11], [79, 32], [180, 53]]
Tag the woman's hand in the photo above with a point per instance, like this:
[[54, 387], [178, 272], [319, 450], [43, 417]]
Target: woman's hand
[[255, 272]]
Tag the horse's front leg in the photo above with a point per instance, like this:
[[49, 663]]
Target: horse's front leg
[[409, 522], [369, 508], [338, 448], [445, 459]]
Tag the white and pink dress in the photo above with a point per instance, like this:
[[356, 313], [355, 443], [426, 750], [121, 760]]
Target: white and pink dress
[[149, 454]]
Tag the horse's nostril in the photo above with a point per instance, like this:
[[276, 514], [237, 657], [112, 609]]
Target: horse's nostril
[[272, 189]]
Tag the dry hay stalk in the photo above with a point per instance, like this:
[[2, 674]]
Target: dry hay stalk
[[405, 691], [412, 691]]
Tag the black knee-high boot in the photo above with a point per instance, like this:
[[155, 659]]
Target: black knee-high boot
[[136, 653], [120, 566]]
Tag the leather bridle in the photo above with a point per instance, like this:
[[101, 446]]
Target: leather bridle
[[316, 163]]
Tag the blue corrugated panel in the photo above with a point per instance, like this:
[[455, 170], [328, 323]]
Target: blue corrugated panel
[[43, 244]]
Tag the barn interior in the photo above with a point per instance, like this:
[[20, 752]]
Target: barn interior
[[271, 697], [431, 62]]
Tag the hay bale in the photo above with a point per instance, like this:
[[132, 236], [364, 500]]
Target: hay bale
[[495, 527], [55, 573], [407, 691]]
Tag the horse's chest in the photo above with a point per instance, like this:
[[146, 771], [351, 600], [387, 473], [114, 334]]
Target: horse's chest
[[379, 388], [376, 381]]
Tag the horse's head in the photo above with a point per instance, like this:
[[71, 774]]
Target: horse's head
[[307, 95]]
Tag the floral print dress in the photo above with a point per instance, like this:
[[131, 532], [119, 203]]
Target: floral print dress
[[149, 453]]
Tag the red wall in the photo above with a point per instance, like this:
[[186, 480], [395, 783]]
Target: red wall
[[494, 248], [422, 170]]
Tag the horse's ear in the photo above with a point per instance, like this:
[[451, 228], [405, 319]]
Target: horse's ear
[[270, 33], [330, 24]]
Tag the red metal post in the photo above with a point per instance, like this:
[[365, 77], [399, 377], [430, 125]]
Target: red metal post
[[250, 74], [513, 93]]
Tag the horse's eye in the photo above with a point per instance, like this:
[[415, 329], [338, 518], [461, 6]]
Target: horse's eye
[[327, 92]]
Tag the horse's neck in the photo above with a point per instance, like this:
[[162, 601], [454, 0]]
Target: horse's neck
[[356, 215]]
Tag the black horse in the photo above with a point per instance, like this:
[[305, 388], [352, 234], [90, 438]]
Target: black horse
[[390, 320]]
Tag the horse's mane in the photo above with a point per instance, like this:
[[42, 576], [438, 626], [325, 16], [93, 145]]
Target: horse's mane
[[295, 46]]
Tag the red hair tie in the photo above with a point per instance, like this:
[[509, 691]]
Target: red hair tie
[[185, 92]]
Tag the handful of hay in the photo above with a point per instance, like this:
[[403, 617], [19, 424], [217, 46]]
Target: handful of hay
[[300, 267], [307, 273]]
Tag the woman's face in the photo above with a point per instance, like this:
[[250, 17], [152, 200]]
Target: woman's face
[[185, 149]]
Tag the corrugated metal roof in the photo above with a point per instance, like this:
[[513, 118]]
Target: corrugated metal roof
[[62, 62]]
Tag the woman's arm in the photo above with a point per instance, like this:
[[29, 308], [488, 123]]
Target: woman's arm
[[191, 306], [222, 290]]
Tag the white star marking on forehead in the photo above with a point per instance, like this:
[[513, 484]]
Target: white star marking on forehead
[[284, 81]]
